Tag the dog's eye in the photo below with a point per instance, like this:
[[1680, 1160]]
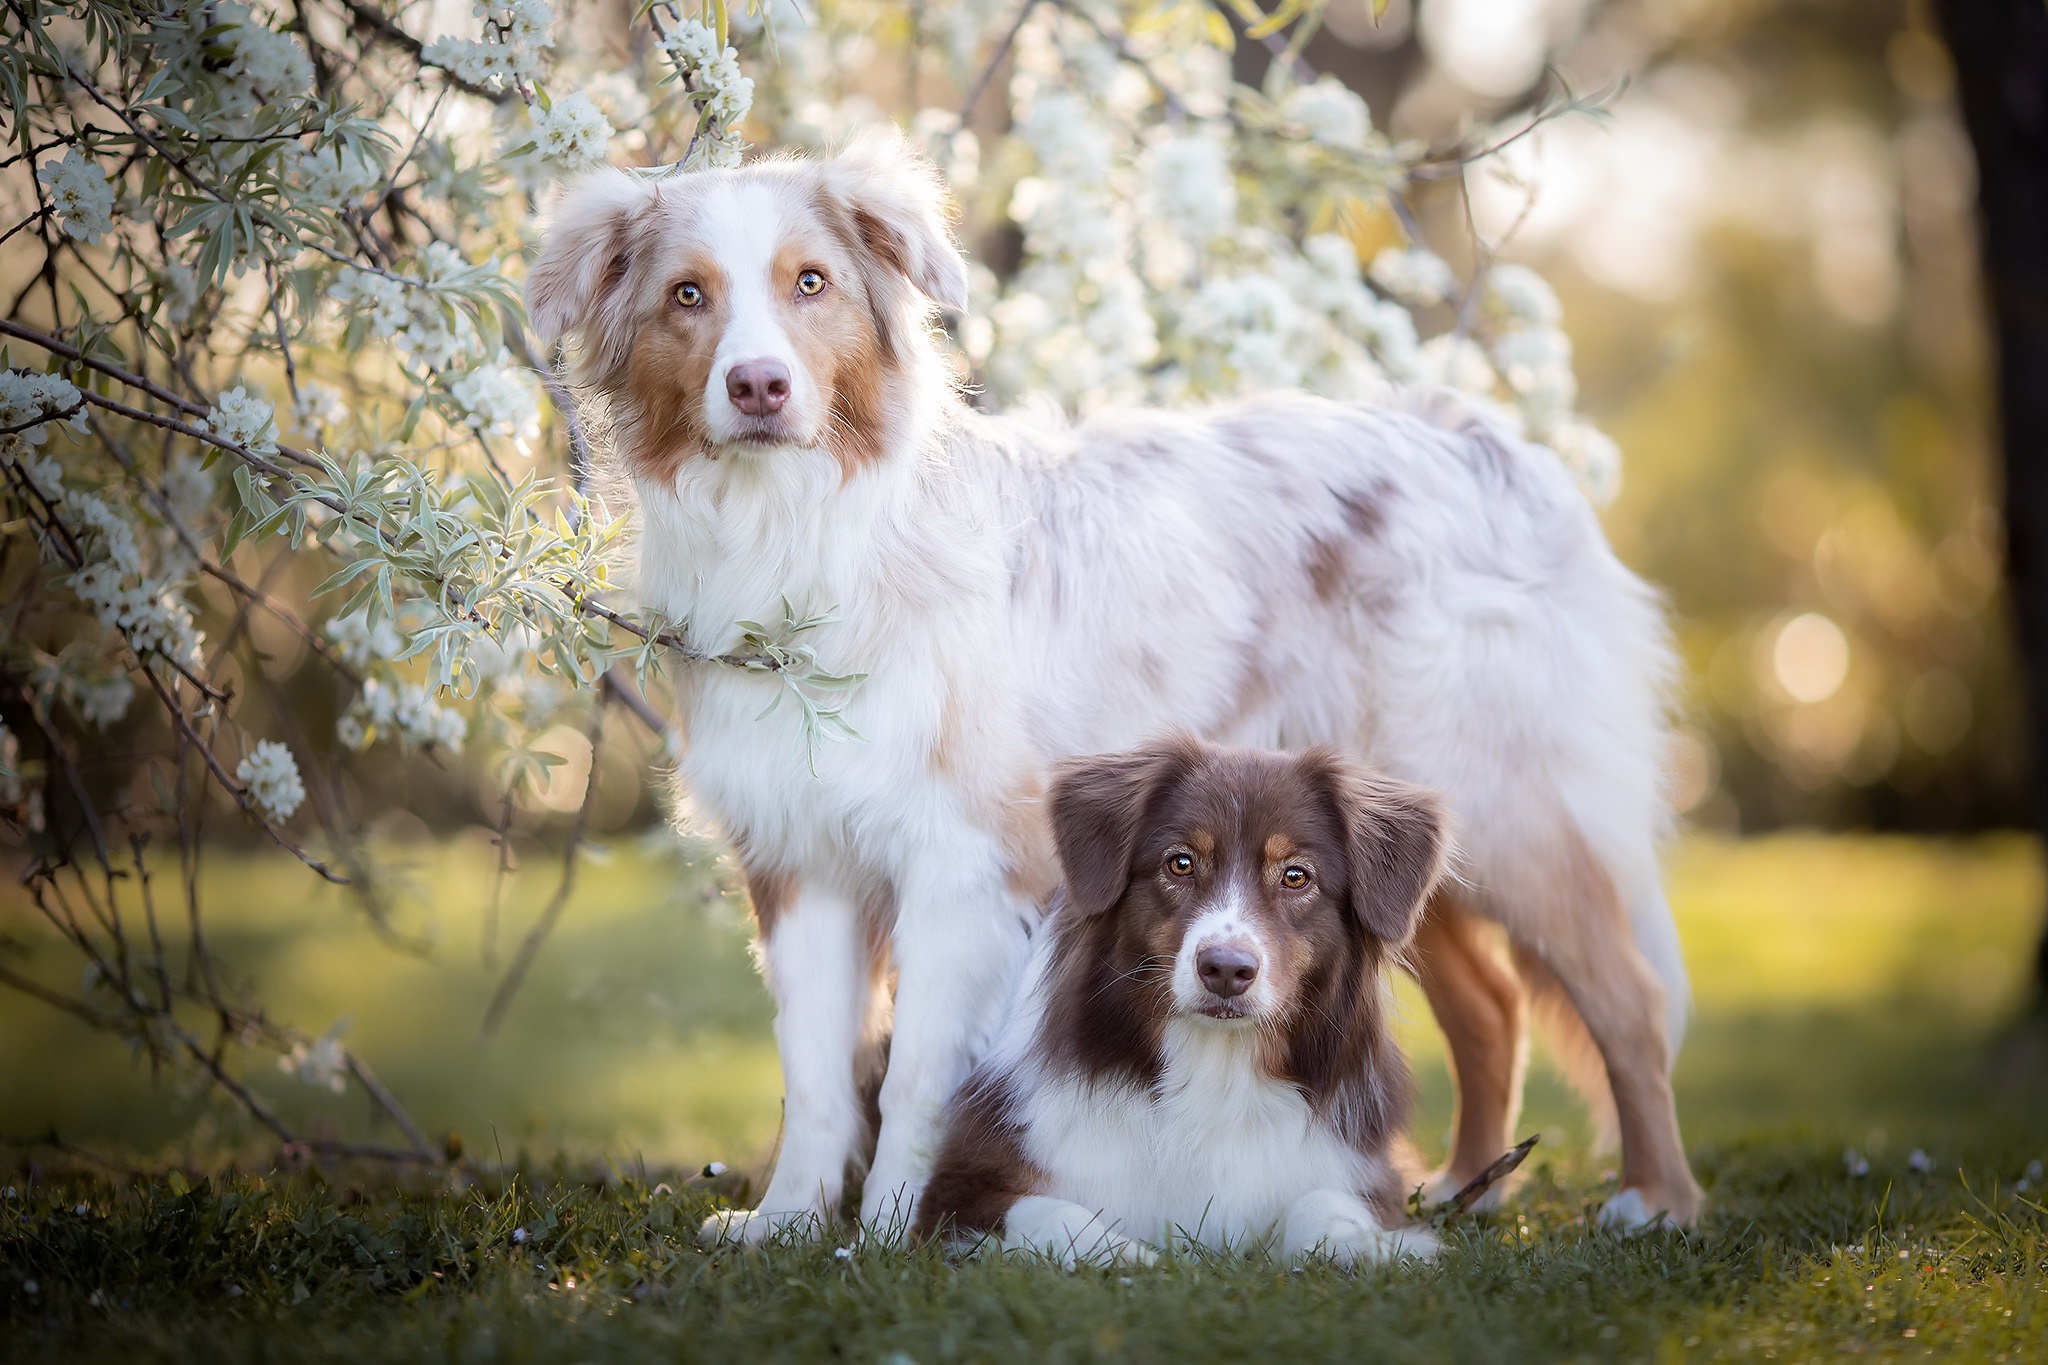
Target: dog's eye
[[1294, 878], [810, 282], [1180, 865], [689, 295]]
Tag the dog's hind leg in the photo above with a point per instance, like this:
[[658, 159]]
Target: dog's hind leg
[[815, 956], [1564, 908], [1479, 1006]]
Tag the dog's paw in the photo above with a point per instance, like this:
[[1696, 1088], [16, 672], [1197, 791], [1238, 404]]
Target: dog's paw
[[1070, 1235], [753, 1227], [1334, 1226], [1631, 1211]]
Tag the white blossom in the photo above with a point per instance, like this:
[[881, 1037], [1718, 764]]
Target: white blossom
[[1523, 295], [188, 483], [321, 1062], [510, 52], [378, 296], [319, 405], [335, 177], [263, 66], [1414, 275], [101, 701], [1331, 113], [1456, 362], [1192, 186], [29, 401], [573, 133], [363, 642], [243, 419], [498, 399], [407, 710], [270, 775], [79, 195]]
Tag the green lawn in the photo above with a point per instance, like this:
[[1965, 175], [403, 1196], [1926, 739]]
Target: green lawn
[[1847, 992]]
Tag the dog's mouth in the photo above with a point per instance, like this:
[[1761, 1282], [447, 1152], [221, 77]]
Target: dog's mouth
[[1228, 1011], [773, 429]]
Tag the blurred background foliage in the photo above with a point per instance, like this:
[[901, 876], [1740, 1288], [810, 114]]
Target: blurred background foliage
[[1767, 257]]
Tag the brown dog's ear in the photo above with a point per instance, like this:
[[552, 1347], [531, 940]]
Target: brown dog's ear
[[1098, 810], [577, 282], [898, 208], [1397, 840]]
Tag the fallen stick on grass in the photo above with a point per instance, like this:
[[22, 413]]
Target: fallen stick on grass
[[1478, 1185]]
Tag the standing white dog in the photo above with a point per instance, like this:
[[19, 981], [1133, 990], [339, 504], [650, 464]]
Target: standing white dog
[[1405, 583]]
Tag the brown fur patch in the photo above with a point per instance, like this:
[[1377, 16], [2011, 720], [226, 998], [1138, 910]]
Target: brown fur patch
[[1365, 510], [666, 371], [770, 893], [982, 1169], [1327, 566]]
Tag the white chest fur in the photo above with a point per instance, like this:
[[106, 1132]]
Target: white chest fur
[[1216, 1153]]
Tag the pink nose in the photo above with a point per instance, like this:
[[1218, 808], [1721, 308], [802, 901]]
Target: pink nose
[[758, 387]]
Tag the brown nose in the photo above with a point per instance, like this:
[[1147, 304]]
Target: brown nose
[[758, 387], [1226, 969]]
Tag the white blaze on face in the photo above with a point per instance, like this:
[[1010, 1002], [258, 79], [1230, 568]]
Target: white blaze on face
[[742, 229], [1227, 920]]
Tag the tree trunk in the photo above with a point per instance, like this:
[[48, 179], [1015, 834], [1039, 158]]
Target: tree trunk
[[2000, 49]]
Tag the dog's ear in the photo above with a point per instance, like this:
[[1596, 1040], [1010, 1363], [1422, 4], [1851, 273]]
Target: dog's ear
[[1099, 806], [577, 284], [1397, 840], [899, 211]]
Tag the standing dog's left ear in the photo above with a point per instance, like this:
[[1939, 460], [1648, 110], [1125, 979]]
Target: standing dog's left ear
[[897, 206], [1397, 841], [578, 282]]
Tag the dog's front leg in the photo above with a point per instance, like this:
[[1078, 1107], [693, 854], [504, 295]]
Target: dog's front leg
[[960, 939], [814, 956]]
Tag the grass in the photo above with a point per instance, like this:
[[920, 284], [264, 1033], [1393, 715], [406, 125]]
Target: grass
[[1847, 992]]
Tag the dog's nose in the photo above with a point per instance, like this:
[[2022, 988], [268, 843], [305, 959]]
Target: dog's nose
[[1227, 969], [758, 387]]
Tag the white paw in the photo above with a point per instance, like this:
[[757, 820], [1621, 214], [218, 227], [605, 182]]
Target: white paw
[[1629, 1211], [752, 1227], [1332, 1225], [1070, 1235]]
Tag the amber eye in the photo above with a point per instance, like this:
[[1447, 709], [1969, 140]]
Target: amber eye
[[810, 282], [1180, 865], [1294, 878], [689, 295]]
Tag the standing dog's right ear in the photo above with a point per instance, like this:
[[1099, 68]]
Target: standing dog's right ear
[[1098, 811], [577, 284]]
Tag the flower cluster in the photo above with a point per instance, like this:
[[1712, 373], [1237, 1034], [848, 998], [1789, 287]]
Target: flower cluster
[[723, 94], [515, 34], [363, 642], [420, 314], [407, 710], [241, 418], [337, 176], [79, 195], [262, 66], [322, 1062], [270, 777], [1414, 275], [498, 400], [573, 132], [1330, 113], [29, 402]]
